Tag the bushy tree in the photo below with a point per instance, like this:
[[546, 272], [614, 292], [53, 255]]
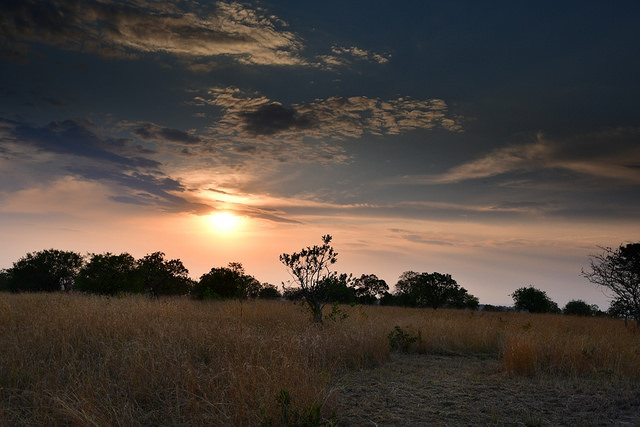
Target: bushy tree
[[310, 268], [369, 289], [226, 282], [338, 289], [432, 290], [109, 274], [620, 309], [533, 300], [617, 271], [163, 277], [47, 270], [580, 308], [269, 291]]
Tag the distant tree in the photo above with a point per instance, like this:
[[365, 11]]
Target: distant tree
[[533, 300], [292, 293], [338, 289], [163, 277], [48, 270], [618, 272], [469, 301], [433, 290], [4, 280], [310, 268], [390, 299], [619, 309], [226, 282], [369, 289], [109, 274], [580, 308], [494, 308], [269, 291]]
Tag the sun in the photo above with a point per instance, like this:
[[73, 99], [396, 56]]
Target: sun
[[224, 221]]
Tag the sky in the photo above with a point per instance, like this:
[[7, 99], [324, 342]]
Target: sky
[[498, 142]]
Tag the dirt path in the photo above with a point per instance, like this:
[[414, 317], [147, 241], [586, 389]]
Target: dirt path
[[432, 390]]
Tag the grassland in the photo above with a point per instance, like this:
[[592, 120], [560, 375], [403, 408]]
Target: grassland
[[71, 359]]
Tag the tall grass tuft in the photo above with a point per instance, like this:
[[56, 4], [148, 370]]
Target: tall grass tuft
[[74, 359]]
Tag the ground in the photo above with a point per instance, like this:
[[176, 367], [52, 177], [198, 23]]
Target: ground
[[437, 390]]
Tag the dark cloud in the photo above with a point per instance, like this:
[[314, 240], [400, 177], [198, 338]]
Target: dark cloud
[[273, 118], [55, 101], [75, 137], [153, 132], [246, 149], [85, 154]]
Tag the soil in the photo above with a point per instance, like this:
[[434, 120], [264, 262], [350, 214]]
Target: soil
[[437, 390]]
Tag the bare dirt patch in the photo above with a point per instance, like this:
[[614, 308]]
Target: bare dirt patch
[[434, 390]]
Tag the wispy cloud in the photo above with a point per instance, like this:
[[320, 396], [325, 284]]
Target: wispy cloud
[[605, 154], [343, 56], [115, 28], [153, 132], [192, 31]]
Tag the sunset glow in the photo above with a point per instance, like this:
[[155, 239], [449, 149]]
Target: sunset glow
[[499, 145], [224, 222]]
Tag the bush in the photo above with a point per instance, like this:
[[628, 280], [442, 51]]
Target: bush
[[580, 308]]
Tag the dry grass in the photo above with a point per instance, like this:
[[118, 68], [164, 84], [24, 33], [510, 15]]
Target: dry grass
[[70, 359]]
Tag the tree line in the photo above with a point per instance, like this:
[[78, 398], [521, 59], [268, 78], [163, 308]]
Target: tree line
[[313, 281]]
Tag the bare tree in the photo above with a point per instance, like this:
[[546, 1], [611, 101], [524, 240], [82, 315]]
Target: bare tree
[[310, 268], [618, 272]]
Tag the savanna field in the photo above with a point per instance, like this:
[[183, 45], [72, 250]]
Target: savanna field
[[74, 359]]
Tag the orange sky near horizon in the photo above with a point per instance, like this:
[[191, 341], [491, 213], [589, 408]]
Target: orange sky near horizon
[[489, 260]]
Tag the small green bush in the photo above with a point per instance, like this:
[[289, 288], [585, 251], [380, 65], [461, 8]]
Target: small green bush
[[401, 340]]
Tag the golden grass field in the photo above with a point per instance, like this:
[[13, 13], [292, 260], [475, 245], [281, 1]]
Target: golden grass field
[[73, 359]]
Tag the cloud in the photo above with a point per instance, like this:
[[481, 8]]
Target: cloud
[[113, 28], [606, 154], [74, 148], [153, 132], [343, 56], [515, 158], [273, 118], [361, 54], [247, 115]]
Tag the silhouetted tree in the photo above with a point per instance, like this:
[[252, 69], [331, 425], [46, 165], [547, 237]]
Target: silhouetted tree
[[580, 308], [292, 293], [369, 289], [309, 268], [48, 270], [533, 300], [109, 274], [4, 280], [618, 272], [226, 282], [338, 289], [269, 291], [619, 309], [432, 290], [162, 277]]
